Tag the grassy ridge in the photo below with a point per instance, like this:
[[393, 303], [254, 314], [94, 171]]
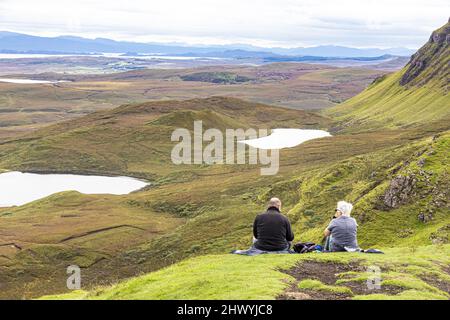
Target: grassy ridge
[[365, 180], [417, 273], [417, 94], [132, 140], [388, 104], [135, 139], [309, 198]]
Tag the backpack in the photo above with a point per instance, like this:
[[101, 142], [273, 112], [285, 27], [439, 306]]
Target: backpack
[[304, 247]]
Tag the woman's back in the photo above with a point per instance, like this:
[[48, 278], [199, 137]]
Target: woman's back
[[343, 231]]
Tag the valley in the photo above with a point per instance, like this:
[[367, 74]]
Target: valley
[[27, 107], [388, 155]]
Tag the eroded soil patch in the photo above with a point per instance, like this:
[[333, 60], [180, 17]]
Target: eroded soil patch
[[327, 273], [436, 282]]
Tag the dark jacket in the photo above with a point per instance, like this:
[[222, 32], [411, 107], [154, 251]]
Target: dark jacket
[[272, 231]]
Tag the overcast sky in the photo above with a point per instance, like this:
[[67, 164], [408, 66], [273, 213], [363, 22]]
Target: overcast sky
[[285, 23]]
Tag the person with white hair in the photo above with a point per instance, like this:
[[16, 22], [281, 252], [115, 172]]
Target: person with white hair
[[342, 230]]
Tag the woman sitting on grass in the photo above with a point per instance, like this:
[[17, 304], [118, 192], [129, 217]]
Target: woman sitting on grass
[[342, 230]]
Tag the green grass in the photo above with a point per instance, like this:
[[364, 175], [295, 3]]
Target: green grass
[[260, 277], [387, 104], [415, 95], [206, 217], [190, 211], [310, 284], [207, 277], [363, 180]]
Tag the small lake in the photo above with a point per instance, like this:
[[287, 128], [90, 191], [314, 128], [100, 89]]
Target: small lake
[[28, 81], [17, 188], [286, 138]]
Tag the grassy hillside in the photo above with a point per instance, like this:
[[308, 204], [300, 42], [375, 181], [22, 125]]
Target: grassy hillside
[[134, 139], [196, 210], [420, 216], [400, 195], [418, 94], [42, 237], [396, 175], [407, 273]]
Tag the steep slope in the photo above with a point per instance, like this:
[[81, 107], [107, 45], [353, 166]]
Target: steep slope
[[401, 200], [397, 179], [431, 62], [39, 240], [400, 196], [196, 210], [291, 277], [418, 94]]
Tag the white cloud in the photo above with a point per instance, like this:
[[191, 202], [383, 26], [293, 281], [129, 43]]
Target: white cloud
[[382, 23]]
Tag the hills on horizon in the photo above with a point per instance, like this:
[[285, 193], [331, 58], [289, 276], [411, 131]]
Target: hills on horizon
[[11, 42]]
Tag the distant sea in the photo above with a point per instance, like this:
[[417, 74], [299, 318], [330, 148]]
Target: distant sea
[[106, 55]]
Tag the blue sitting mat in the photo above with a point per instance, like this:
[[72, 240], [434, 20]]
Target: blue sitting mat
[[253, 252]]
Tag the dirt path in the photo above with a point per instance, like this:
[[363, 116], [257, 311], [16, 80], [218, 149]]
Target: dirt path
[[87, 233]]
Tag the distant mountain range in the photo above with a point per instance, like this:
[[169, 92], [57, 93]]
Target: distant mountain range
[[11, 42]]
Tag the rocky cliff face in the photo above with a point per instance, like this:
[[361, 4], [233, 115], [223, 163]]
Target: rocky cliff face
[[400, 190], [431, 62]]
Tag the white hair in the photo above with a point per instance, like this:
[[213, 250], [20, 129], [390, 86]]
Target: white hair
[[275, 202], [345, 208]]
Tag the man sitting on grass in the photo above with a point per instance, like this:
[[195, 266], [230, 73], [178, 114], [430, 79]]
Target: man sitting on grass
[[272, 232]]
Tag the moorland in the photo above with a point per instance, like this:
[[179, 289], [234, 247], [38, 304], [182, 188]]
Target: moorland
[[388, 156]]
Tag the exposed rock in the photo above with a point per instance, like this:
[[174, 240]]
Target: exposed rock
[[425, 217], [438, 37], [441, 235], [399, 191], [428, 62], [421, 162], [405, 233]]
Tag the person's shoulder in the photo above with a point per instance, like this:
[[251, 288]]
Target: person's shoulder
[[333, 221], [348, 219], [261, 214]]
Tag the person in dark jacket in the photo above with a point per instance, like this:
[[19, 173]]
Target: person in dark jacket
[[272, 230]]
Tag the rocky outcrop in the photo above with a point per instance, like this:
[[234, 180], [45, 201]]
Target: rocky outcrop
[[441, 236], [399, 191], [430, 61]]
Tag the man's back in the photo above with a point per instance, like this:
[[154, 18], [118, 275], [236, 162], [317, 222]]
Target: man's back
[[272, 231]]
